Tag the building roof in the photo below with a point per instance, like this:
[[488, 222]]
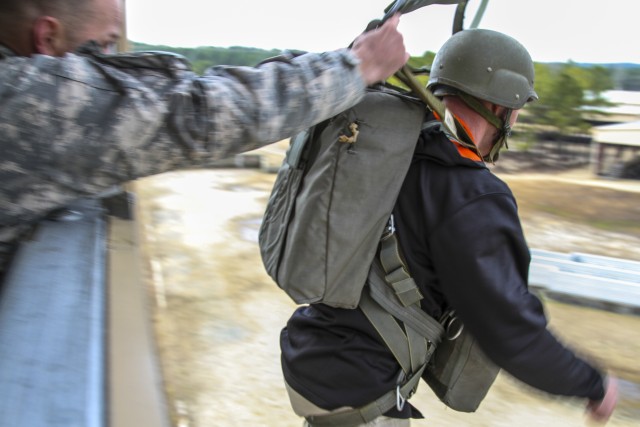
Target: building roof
[[618, 134], [624, 97], [625, 107]]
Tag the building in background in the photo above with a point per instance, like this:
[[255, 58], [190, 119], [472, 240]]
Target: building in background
[[615, 148]]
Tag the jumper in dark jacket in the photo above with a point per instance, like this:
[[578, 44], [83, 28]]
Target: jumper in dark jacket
[[459, 229]]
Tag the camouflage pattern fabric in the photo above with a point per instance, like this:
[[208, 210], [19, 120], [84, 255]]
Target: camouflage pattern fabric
[[78, 125]]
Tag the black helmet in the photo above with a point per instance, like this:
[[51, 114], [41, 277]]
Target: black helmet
[[486, 64]]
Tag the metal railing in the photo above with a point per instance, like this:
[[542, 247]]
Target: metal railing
[[76, 346], [596, 281], [52, 325]]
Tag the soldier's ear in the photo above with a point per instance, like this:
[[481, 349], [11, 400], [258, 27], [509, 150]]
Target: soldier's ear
[[48, 37]]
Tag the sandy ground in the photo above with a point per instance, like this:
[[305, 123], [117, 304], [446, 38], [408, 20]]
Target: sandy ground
[[217, 315]]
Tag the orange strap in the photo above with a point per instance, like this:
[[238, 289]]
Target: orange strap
[[467, 153], [462, 150]]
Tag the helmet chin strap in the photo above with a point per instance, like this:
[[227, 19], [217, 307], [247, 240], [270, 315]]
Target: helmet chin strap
[[501, 140], [503, 126]]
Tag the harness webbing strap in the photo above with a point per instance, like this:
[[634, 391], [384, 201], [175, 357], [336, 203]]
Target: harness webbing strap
[[413, 315], [396, 273], [369, 412], [390, 331], [418, 348], [406, 290], [412, 346], [481, 109], [383, 305]]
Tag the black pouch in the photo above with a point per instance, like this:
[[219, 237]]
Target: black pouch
[[459, 372]]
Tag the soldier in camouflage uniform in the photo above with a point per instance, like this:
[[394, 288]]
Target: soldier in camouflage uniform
[[76, 124]]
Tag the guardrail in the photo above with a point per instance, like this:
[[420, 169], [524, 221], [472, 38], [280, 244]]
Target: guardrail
[[592, 280], [75, 342], [52, 325]]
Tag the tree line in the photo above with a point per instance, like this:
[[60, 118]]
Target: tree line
[[566, 90]]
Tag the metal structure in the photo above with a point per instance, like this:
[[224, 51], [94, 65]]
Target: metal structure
[[76, 346]]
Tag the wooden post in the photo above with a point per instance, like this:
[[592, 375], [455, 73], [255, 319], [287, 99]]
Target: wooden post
[[123, 42]]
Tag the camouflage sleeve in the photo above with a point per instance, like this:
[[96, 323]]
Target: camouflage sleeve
[[75, 126], [282, 97]]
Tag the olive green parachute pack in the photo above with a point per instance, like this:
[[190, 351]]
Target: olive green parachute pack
[[333, 197], [327, 236]]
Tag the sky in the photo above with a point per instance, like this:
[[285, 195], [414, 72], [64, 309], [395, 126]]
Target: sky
[[552, 30]]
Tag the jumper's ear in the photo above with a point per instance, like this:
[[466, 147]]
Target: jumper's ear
[[497, 109], [48, 38]]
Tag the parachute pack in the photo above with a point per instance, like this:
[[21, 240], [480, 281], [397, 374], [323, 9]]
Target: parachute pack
[[333, 196]]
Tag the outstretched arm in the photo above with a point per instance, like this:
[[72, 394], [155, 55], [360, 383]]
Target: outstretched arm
[[77, 125]]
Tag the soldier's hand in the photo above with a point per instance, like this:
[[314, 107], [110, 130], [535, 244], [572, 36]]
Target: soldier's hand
[[600, 411], [381, 51]]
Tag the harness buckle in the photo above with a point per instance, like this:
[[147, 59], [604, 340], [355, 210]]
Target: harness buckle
[[400, 401], [391, 227], [452, 325]]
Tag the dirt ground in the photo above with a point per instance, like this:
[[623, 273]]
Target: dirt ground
[[217, 315]]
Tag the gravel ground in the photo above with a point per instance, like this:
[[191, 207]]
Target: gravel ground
[[217, 315]]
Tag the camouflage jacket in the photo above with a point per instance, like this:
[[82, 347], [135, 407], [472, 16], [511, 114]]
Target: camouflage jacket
[[77, 125]]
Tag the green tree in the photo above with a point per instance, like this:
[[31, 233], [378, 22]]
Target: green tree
[[630, 79], [565, 101], [199, 65], [536, 111], [600, 80], [207, 56], [562, 89], [593, 80]]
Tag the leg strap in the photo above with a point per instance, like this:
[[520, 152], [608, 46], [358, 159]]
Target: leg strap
[[371, 411], [411, 350], [390, 331], [391, 299]]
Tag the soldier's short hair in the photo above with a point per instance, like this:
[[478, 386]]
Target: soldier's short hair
[[47, 7], [73, 13], [66, 10]]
